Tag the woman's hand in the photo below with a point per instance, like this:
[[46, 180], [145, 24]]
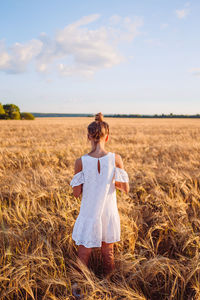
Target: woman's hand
[[122, 186]]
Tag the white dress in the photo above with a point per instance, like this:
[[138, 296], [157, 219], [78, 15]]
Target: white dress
[[98, 219]]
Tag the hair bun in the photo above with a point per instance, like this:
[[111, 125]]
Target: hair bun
[[99, 117]]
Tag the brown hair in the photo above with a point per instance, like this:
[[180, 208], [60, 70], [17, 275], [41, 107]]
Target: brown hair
[[98, 128]]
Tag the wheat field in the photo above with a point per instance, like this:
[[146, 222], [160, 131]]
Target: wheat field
[[158, 256]]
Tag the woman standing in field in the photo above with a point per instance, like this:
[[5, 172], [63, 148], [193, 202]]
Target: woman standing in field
[[97, 175]]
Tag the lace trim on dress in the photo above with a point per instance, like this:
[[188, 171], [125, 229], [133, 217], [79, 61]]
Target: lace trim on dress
[[121, 175], [77, 179]]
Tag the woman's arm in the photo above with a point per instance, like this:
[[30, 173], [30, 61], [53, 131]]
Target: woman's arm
[[122, 186], [77, 190]]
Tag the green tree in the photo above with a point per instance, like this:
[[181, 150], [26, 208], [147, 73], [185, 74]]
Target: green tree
[[16, 115], [27, 116], [12, 111], [2, 112]]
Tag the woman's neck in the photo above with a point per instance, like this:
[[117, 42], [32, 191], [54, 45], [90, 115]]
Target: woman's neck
[[98, 148]]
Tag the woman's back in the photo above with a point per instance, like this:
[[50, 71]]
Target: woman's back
[[98, 184]]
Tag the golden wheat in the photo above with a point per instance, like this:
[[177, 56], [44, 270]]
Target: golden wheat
[[158, 256]]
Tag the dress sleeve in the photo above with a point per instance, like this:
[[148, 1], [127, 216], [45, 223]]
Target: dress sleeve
[[77, 179], [121, 175]]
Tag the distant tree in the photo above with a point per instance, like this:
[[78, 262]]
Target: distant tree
[[2, 112], [27, 116], [16, 115], [12, 111]]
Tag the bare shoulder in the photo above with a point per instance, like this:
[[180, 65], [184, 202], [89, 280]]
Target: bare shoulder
[[119, 161], [78, 165]]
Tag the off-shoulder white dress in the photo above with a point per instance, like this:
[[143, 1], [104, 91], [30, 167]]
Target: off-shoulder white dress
[[98, 219]]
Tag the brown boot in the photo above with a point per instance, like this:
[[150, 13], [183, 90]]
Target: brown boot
[[107, 251]]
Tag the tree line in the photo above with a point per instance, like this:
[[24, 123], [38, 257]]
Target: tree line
[[171, 115], [12, 112]]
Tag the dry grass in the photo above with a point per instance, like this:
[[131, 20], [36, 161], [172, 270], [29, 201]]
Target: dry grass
[[158, 256]]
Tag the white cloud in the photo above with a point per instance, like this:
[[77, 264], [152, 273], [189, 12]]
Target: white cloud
[[16, 58], [182, 13], [48, 54], [85, 20], [41, 67], [195, 71], [91, 50], [4, 60], [75, 49], [4, 56], [25, 52], [132, 28], [125, 31]]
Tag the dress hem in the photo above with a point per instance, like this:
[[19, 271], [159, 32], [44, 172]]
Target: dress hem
[[78, 243]]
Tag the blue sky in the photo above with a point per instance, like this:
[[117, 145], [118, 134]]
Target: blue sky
[[111, 56]]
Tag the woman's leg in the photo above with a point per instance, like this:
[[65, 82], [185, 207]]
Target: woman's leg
[[84, 254], [107, 250]]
